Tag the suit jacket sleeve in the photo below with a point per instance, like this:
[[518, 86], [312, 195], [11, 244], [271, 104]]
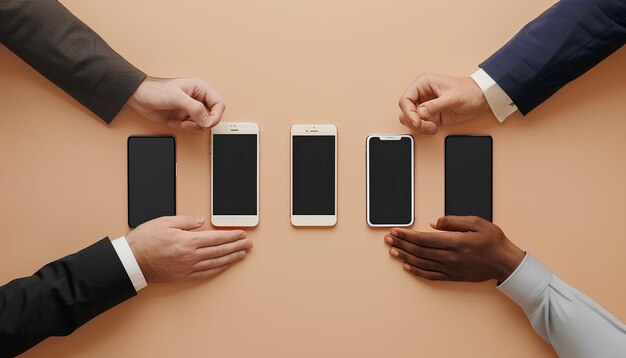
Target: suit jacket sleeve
[[68, 53], [61, 297], [557, 47]]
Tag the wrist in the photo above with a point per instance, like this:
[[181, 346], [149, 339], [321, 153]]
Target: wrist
[[509, 259]]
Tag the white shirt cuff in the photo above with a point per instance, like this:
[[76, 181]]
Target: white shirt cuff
[[527, 282], [500, 103], [130, 264]]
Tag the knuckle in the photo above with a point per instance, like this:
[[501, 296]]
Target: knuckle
[[475, 220]]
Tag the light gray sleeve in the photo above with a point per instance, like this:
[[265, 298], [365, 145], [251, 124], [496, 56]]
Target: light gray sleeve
[[571, 322]]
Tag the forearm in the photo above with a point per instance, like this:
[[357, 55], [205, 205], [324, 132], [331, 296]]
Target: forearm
[[71, 55], [61, 297], [571, 322]]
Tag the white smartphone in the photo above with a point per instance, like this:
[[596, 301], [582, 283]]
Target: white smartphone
[[235, 174], [390, 180], [313, 175]]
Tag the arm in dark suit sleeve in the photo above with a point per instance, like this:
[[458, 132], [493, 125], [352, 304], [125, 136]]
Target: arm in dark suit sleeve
[[61, 297], [557, 47], [68, 53]]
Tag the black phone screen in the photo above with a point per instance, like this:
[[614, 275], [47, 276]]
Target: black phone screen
[[468, 171], [313, 174], [390, 180], [151, 178], [235, 174]]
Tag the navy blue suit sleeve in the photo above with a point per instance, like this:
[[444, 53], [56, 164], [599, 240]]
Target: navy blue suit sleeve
[[61, 297], [557, 47]]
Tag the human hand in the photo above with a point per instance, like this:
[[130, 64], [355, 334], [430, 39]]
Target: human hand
[[468, 248], [167, 251], [187, 104], [433, 100]]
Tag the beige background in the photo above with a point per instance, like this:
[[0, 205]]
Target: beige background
[[559, 177]]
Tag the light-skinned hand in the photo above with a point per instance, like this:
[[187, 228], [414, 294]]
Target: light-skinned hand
[[433, 100], [468, 248], [166, 250], [186, 104]]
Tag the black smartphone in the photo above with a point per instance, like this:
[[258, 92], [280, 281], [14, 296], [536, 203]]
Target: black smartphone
[[151, 178], [469, 173], [390, 180]]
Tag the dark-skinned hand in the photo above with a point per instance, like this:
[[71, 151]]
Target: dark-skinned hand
[[467, 248]]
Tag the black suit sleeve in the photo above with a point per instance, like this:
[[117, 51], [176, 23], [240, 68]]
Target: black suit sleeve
[[68, 53], [61, 297]]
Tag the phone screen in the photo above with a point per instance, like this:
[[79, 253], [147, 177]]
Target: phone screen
[[313, 158], [235, 174], [468, 167], [151, 178], [390, 180]]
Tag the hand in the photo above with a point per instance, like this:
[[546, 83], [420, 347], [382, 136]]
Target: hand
[[166, 251], [432, 100], [187, 104], [469, 249]]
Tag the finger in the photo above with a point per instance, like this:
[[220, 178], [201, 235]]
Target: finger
[[419, 262], [429, 275], [194, 109], [408, 105], [415, 250], [208, 264], [217, 237], [211, 252], [458, 223], [409, 110], [207, 273], [437, 240], [435, 106], [185, 222], [216, 107], [202, 92]]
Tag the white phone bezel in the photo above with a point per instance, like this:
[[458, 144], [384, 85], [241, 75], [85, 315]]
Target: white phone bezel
[[367, 188], [236, 128], [312, 130]]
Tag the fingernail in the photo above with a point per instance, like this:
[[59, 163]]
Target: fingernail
[[199, 219], [394, 252], [433, 222], [423, 112], [243, 235], [388, 240], [406, 267], [394, 233]]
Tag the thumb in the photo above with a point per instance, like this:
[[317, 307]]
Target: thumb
[[186, 222], [435, 106], [194, 109]]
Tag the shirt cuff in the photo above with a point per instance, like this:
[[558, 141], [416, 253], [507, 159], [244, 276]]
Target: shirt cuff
[[130, 264], [500, 103], [527, 282]]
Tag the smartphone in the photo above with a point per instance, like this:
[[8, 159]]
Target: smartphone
[[389, 180], [235, 174], [313, 175], [151, 178], [468, 172]]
